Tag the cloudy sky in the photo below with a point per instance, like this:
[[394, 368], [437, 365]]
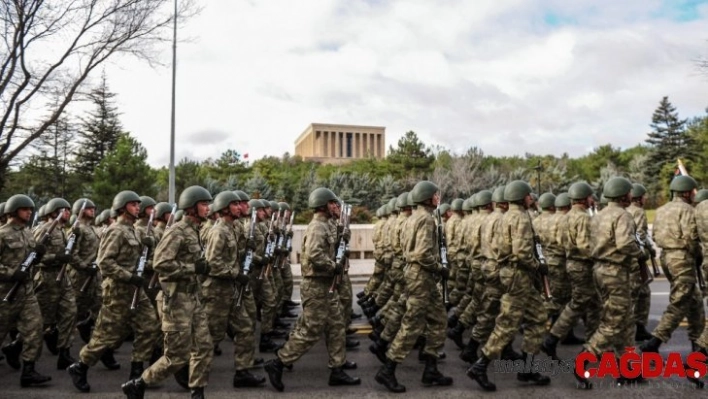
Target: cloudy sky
[[509, 76]]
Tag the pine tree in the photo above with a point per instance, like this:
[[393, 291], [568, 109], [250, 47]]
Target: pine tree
[[669, 139]]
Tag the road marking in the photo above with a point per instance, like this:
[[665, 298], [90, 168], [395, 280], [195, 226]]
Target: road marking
[[660, 293]]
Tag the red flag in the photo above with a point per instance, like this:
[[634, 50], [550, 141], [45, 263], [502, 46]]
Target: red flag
[[245, 156]]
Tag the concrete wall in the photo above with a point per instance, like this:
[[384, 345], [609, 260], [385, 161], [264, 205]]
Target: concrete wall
[[361, 245]]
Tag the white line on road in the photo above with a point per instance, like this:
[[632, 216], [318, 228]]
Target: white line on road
[[659, 293]]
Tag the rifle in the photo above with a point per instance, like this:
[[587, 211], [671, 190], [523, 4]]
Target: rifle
[[34, 221], [538, 254], [268, 253], [71, 241], [27, 263], [289, 243], [643, 266], [246, 267], [343, 248], [170, 221], [654, 267], [141, 263], [442, 247], [88, 280]]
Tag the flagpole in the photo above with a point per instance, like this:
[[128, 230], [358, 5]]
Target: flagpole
[[171, 184]]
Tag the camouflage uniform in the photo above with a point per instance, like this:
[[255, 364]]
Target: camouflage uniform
[[453, 236], [675, 232], [184, 322], [117, 258], [140, 232], [84, 254], [614, 250], [424, 308], [641, 293], [394, 281], [263, 289], [584, 300], [701, 212], [546, 226], [522, 300], [379, 269], [475, 285]]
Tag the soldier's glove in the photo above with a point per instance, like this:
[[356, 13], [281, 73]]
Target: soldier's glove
[[289, 234], [63, 258], [652, 251], [242, 279], [338, 268], [346, 235], [542, 269], [20, 276], [148, 241], [90, 271], [251, 244], [136, 280], [77, 232], [40, 249], [444, 273], [201, 266]]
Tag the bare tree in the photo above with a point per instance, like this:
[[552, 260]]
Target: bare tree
[[50, 47]]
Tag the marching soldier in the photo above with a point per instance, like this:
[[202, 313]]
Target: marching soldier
[[23, 312], [641, 294], [118, 256], [147, 207], [379, 270], [286, 272], [178, 260], [453, 234], [162, 217], [322, 311], [701, 206]]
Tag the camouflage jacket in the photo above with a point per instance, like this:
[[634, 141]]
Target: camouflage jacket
[[56, 244], [474, 235], [675, 227], [178, 251], [701, 214], [222, 250], [318, 248], [421, 244], [85, 247], [491, 231], [451, 235], [397, 238], [640, 221], [577, 238], [119, 251], [613, 236], [545, 227], [517, 243], [159, 230], [204, 230], [16, 242], [378, 239]]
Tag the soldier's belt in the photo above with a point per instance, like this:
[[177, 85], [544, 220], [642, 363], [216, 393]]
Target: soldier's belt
[[186, 288], [579, 260]]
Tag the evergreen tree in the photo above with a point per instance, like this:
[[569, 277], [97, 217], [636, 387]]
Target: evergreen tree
[[668, 140], [258, 187], [411, 156]]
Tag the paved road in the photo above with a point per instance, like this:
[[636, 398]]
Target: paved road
[[309, 377]]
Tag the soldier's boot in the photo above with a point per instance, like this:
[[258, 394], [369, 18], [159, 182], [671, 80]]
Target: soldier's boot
[[51, 338], [386, 376], [64, 360], [266, 344], [109, 361], [156, 354], [274, 368], [275, 334], [198, 393], [469, 354], [536, 378], [244, 379], [641, 333], [134, 389], [230, 332], [455, 334], [697, 348], [277, 323], [355, 315], [78, 372], [349, 365], [379, 348], [452, 321], [548, 346], [478, 372], [339, 377], [85, 327], [508, 353], [351, 343], [350, 331], [291, 303], [136, 370], [286, 313], [652, 345], [12, 351], [30, 377], [420, 342], [360, 294], [583, 381], [431, 374], [182, 377], [217, 350], [571, 339]]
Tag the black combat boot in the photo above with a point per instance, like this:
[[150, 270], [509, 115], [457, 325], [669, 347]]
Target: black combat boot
[[571, 339], [78, 372], [349, 365], [136, 370], [266, 344], [478, 372], [536, 378], [469, 354], [583, 381], [351, 343], [548, 346], [277, 323], [360, 294], [274, 368], [652, 345], [198, 393], [641, 333], [452, 321], [339, 377], [134, 389], [244, 379], [455, 334], [286, 313], [30, 377], [508, 353], [419, 343], [64, 360], [182, 377], [379, 348], [85, 327], [431, 375], [217, 350], [51, 337], [12, 351], [291, 303], [109, 361], [350, 331], [275, 334], [387, 377]]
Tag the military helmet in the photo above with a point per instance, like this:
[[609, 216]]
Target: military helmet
[[467, 205], [161, 209], [178, 215], [444, 207], [16, 202], [603, 200], [378, 212], [498, 195], [55, 204], [146, 202], [456, 204], [516, 191], [402, 200], [255, 204], [637, 190], [562, 200], [616, 187], [484, 198], [409, 199], [547, 200], [242, 195], [701, 195], [191, 195], [423, 191], [283, 206], [72, 219], [320, 197], [113, 214], [472, 201], [79, 202], [579, 191], [273, 206], [223, 199], [2, 208], [122, 198], [41, 212], [683, 183], [105, 215], [96, 221]]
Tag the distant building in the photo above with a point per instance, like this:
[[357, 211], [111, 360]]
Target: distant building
[[337, 144]]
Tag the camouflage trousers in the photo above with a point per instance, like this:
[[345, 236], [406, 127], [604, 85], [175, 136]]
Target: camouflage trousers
[[321, 314], [461, 281], [243, 322], [115, 318], [57, 304], [613, 285], [491, 302], [471, 303], [264, 293], [278, 288], [642, 303], [393, 276], [24, 314], [685, 300], [376, 279], [88, 303], [345, 298], [218, 296], [424, 310], [560, 284], [521, 303], [584, 301], [286, 273], [392, 319], [186, 338]]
